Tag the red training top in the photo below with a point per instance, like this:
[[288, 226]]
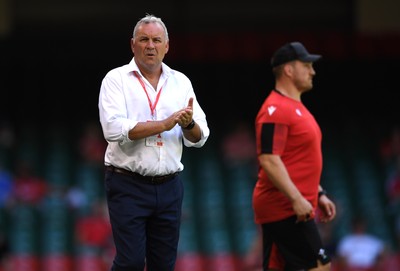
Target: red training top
[[286, 128]]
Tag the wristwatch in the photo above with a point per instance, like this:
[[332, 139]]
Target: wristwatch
[[190, 125], [322, 192]]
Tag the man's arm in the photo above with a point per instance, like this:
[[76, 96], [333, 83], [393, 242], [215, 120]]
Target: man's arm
[[277, 173]]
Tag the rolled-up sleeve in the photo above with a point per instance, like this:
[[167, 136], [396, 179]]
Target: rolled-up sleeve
[[112, 109]]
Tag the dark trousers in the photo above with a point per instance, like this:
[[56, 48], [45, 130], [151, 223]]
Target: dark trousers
[[145, 220]]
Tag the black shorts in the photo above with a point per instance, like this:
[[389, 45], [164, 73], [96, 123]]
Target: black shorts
[[299, 243]]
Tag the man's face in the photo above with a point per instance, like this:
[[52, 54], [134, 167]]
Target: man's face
[[149, 46], [303, 75]]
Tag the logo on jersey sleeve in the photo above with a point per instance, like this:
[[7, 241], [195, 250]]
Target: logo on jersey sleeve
[[271, 109], [298, 112]]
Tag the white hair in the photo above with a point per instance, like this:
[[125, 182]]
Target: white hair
[[149, 18]]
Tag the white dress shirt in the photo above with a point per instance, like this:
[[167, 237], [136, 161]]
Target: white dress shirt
[[123, 103]]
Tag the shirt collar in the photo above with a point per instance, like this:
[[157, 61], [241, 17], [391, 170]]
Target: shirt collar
[[166, 70]]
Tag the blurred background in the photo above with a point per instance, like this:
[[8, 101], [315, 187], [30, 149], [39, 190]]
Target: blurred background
[[54, 54]]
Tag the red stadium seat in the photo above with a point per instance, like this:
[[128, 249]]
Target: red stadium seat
[[24, 262], [190, 261], [56, 262]]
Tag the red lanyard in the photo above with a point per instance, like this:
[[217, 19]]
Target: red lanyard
[[152, 107]]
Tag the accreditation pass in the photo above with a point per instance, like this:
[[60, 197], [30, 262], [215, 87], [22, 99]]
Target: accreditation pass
[[154, 141]]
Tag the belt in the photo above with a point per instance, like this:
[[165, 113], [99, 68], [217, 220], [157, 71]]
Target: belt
[[158, 179]]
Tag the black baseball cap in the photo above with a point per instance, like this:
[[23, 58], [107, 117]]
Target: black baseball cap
[[292, 51]]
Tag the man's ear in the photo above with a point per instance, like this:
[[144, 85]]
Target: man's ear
[[132, 45], [288, 69], [166, 47]]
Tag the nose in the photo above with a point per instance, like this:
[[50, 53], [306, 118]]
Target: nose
[[150, 44]]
